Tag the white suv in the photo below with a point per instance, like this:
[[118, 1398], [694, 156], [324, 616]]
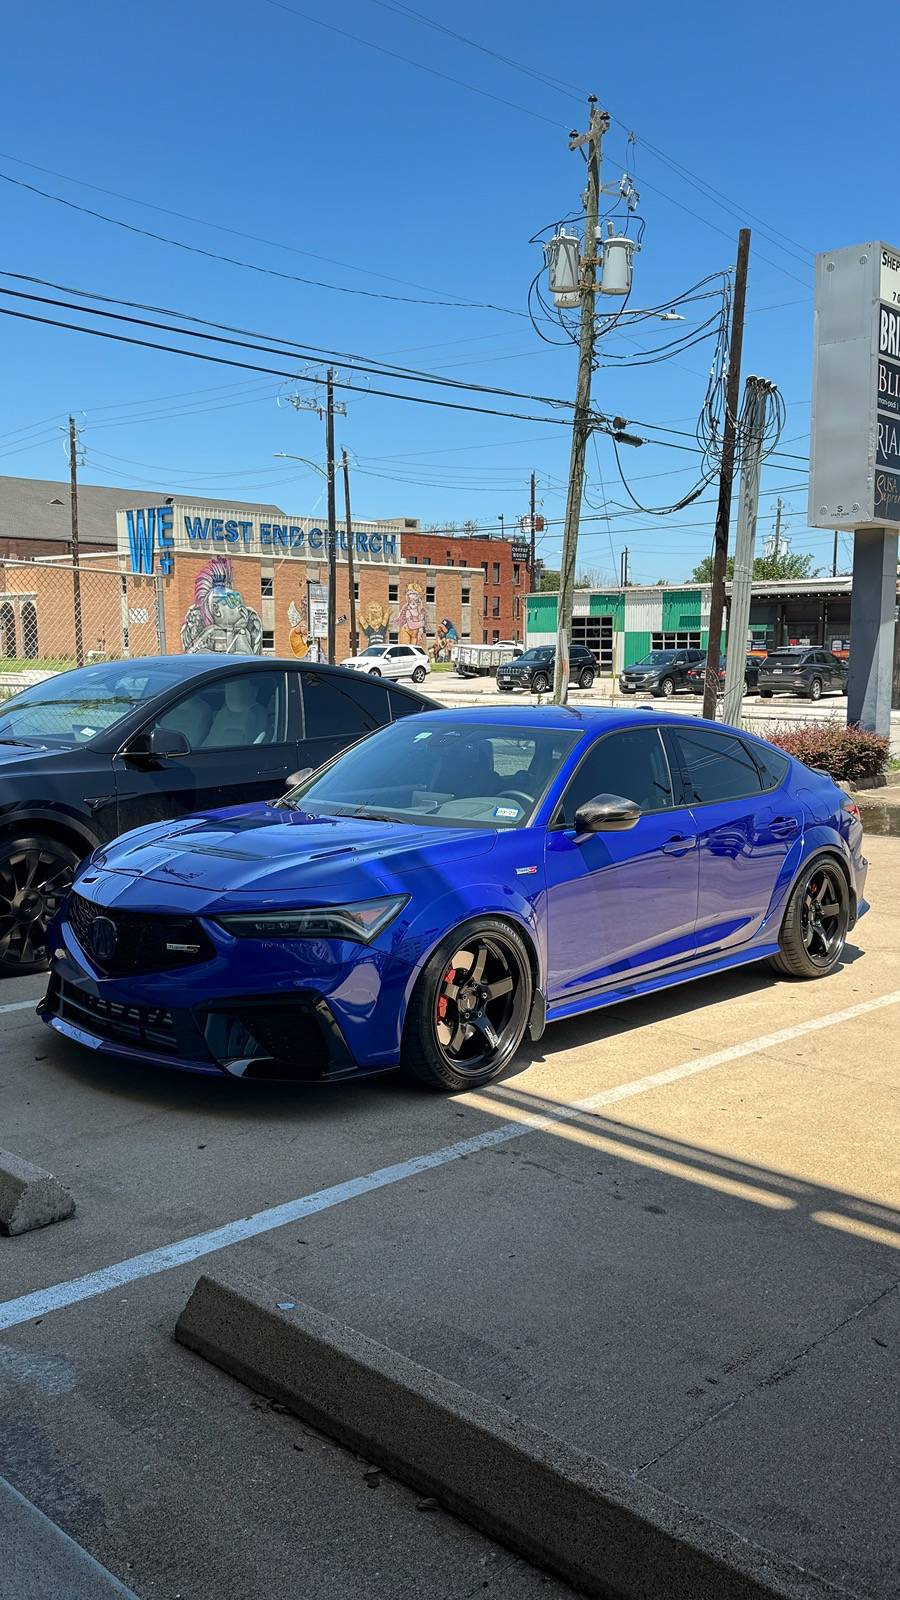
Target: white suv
[[391, 661]]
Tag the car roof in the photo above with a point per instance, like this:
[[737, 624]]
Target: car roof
[[570, 718]]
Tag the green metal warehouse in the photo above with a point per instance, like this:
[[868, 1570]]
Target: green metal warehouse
[[619, 626]]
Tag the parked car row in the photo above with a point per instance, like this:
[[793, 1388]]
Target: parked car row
[[794, 669]]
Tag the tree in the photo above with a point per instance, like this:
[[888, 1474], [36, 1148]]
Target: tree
[[549, 580], [766, 568]]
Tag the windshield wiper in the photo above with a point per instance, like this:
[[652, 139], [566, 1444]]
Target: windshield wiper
[[28, 743]]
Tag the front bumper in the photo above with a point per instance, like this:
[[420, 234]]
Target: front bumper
[[301, 1010]]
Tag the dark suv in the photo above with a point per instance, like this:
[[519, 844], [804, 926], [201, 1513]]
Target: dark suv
[[534, 669], [802, 670], [661, 672]]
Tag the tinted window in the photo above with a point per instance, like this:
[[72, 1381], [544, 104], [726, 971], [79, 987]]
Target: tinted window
[[71, 707], [232, 713], [402, 705], [773, 765], [717, 767], [338, 707], [632, 764]]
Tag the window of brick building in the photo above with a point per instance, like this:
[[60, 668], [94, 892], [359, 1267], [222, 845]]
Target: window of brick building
[[485, 606], [429, 593], [466, 596], [495, 609], [450, 560], [393, 591], [496, 636], [496, 578], [426, 561], [484, 567], [516, 572], [267, 587]]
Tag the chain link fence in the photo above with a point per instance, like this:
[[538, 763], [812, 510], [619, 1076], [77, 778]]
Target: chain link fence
[[53, 617]]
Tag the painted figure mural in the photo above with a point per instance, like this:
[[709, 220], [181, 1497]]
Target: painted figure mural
[[219, 619], [412, 618], [446, 639], [376, 622]]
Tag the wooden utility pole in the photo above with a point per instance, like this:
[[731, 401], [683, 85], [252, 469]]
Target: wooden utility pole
[[582, 421], [834, 555], [351, 581], [624, 568], [726, 478], [76, 565], [531, 558], [777, 540], [332, 517]]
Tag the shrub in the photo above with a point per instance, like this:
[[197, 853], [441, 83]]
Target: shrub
[[846, 754]]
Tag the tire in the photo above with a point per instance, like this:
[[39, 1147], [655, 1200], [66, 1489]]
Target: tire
[[540, 683], [374, 672], [812, 943], [586, 679], [765, 694], [35, 873], [815, 689], [419, 675], [436, 1020], [665, 689]]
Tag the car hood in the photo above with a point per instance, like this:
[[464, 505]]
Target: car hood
[[12, 755], [264, 850]]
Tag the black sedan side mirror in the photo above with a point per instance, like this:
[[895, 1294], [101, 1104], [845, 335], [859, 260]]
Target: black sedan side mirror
[[607, 813], [159, 744]]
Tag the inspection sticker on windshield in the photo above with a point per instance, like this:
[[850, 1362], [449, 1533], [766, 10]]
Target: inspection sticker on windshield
[[507, 811]]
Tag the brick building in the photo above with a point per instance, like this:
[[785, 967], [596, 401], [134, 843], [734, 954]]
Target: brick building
[[506, 580]]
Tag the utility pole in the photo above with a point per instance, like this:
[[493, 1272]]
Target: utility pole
[[726, 478], [756, 399], [332, 516], [581, 421], [623, 567], [531, 559], [76, 566], [777, 540], [834, 555], [351, 581]]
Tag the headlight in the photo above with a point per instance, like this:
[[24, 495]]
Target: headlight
[[363, 921]]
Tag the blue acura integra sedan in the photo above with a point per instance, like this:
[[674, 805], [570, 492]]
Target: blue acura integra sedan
[[451, 883]]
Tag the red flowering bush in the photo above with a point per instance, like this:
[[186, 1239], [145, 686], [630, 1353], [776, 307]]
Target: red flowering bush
[[846, 754]]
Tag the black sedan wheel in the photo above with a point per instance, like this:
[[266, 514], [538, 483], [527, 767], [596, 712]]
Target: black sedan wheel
[[470, 1007], [35, 874], [815, 923]]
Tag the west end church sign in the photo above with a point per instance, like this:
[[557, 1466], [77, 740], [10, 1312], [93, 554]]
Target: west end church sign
[[151, 537]]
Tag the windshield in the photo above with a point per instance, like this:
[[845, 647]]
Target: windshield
[[467, 774], [72, 707], [543, 652], [658, 658], [375, 650]]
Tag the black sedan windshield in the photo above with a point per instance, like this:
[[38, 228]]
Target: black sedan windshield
[[467, 775], [72, 707]]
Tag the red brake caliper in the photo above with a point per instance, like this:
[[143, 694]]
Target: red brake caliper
[[448, 977]]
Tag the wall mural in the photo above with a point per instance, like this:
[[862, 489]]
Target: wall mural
[[412, 618], [446, 639], [376, 622], [219, 619]]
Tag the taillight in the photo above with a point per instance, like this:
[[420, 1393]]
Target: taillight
[[852, 809]]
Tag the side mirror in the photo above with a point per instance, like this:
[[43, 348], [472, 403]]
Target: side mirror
[[300, 777], [606, 813], [163, 743]]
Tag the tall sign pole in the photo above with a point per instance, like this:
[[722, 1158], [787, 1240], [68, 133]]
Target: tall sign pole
[[726, 478], [581, 421], [76, 562]]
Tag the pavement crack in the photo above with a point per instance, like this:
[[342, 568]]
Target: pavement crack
[[779, 1374]]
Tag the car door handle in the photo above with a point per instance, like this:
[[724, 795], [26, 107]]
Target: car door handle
[[680, 844]]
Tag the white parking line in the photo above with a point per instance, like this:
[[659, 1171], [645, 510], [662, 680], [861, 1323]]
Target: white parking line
[[21, 1005], [165, 1257]]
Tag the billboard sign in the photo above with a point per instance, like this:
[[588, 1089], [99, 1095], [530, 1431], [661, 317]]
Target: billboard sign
[[150, 537], [855, 437], [521, 552]]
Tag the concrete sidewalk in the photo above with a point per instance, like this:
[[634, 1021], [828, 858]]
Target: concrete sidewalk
[[40, 1562]]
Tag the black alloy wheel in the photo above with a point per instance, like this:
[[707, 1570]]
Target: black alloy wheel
[[815, 924], [586, 679], [666, 688], [540, 683], [815, 689], [470, 1008], [35, 874]]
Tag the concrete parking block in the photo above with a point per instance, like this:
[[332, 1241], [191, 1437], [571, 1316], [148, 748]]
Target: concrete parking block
[[570, 1513], [29, 1196]]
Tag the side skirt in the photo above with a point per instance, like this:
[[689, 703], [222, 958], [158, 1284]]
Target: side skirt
[[660, 980]]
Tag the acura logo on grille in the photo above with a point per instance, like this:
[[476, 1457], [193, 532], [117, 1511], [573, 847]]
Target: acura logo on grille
[[103, 938]]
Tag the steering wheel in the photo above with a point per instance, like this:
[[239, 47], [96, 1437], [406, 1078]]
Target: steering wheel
[[526, 800]]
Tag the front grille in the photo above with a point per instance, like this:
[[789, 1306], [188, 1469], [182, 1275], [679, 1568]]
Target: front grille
[[142, 942], [149, 1028]]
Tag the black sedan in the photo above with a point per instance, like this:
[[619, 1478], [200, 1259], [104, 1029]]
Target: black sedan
[[697, 676], [85, 755]]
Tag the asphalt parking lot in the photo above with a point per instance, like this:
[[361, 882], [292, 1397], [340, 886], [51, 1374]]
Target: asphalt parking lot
[[683, 1255]]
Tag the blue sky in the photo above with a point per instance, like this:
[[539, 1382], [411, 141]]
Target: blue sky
[[352, 166]]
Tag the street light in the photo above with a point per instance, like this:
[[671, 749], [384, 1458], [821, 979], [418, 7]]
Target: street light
[[285, 455]]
